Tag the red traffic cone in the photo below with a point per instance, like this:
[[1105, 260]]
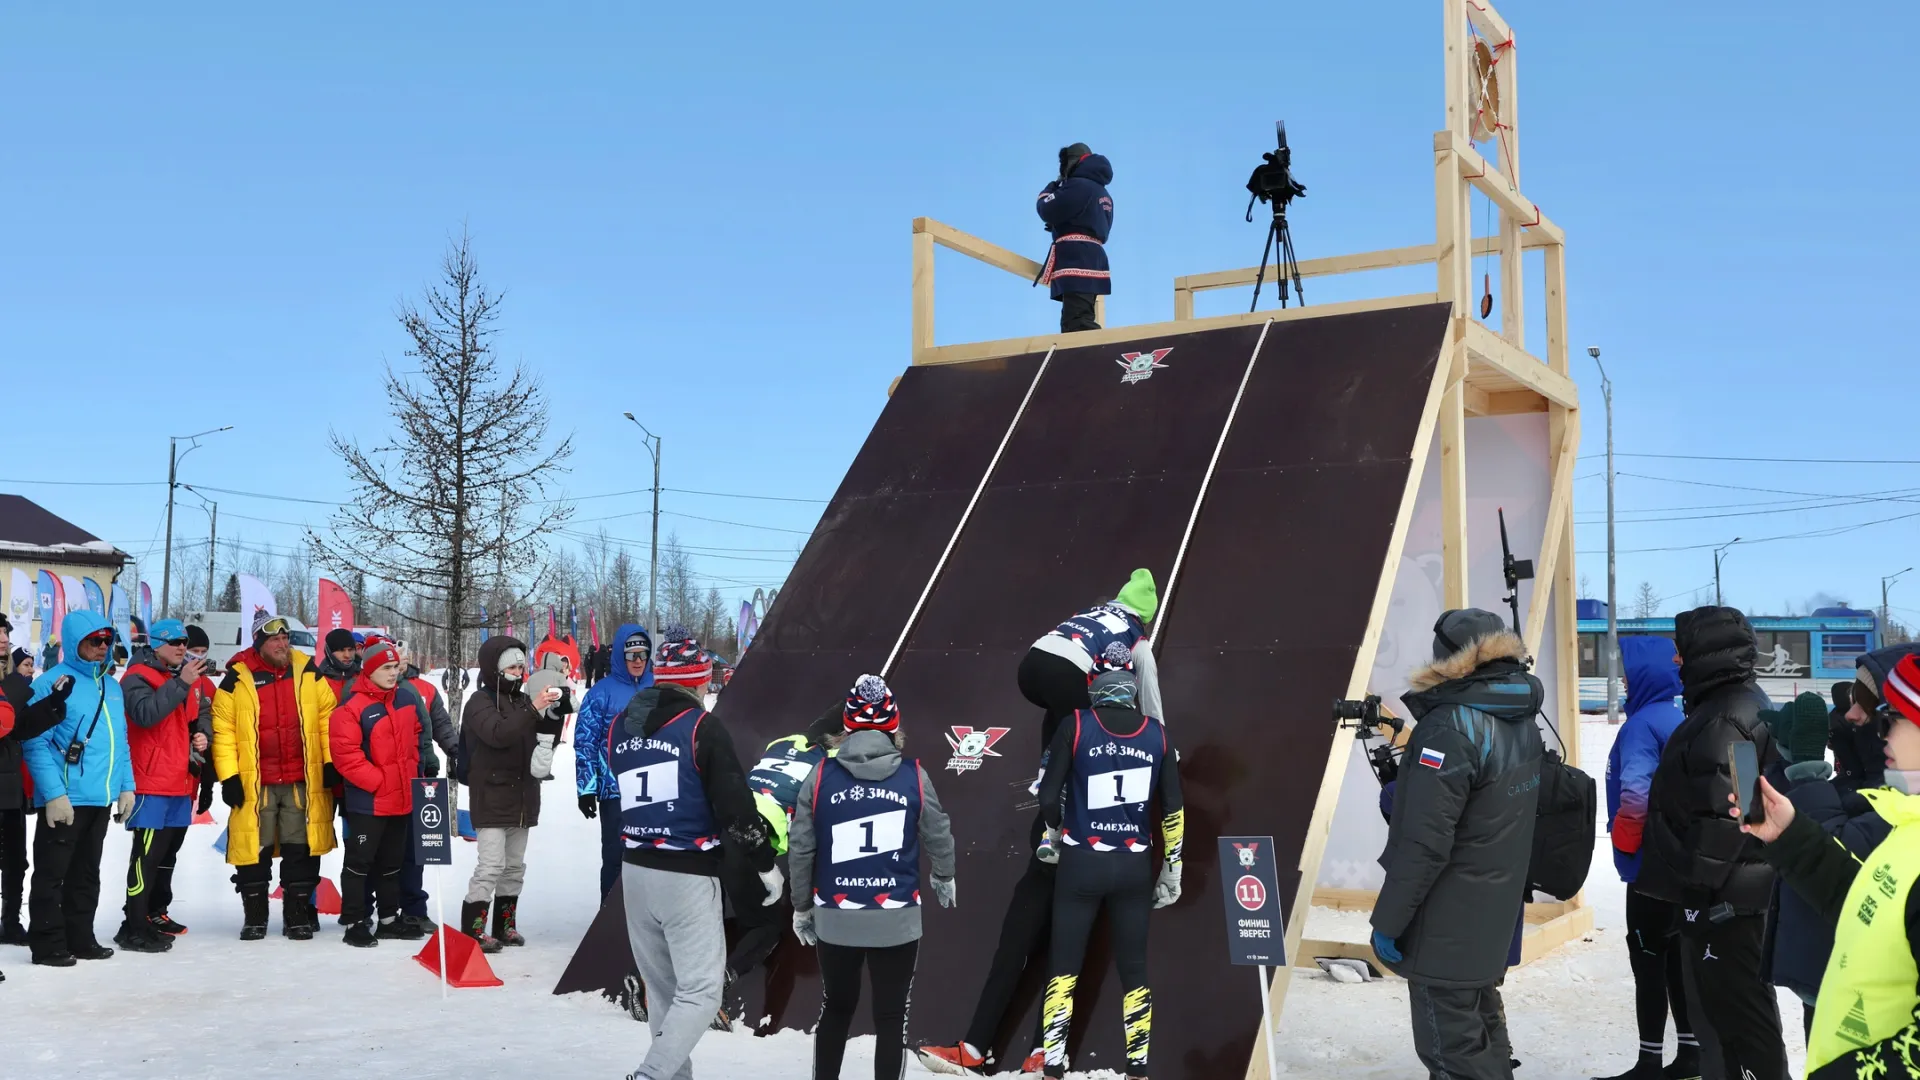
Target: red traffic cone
[[203, 818], [466, 965], [326, 898]]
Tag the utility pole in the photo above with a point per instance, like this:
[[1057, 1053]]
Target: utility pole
[[173, 477], [1613, 619], [1717, 601], [653, 545], [1885, 584], [213, 531]]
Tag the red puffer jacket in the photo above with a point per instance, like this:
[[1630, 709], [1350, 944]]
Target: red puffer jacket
[[161, 751], [377, 739]]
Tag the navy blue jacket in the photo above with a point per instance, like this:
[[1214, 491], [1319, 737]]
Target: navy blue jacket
[[1079, 214]]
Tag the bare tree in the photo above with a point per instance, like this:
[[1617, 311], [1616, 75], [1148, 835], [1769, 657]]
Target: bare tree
[[453, 502], [1586, 587], [1646, 602]]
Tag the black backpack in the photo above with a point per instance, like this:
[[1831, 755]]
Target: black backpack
[[1563, 827]]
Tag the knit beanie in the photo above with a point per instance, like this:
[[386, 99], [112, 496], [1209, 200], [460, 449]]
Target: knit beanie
[[1809, 732], [1117, 687], [1902, 688], [870, 706], [510, 657], [1139, 595], [680, 661], [339, 638], [167, 630], [197, 638], [385, 652], [1460, 628], [261, 617]]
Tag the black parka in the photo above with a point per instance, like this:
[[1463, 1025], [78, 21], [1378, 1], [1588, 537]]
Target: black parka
[[497, 735]]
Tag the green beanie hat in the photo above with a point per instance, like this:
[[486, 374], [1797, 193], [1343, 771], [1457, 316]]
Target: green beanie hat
[[1810, 721], [1139, 595]]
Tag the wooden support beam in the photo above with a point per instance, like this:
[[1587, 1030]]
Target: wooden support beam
[[1182, 302], [1562, 452], [1039, 343], [922, 292], [1386, 259], [1576, 923], [1491, 26], [1453, 497], [1556, 300], [1477, 171], [1486, 348], [973, 247]]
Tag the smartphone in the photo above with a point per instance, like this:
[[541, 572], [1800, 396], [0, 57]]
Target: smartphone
[[1744, 763]]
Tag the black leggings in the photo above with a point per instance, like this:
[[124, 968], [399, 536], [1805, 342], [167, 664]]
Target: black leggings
[[376, 846], [1655, 956], [1053, 683], [1023, 945], [892, 973], [150, 872], [13, 863], [1121, 882]]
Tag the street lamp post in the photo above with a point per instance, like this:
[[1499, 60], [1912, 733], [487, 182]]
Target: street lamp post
[[1613, 620], [173, 479], [1717, 601], [1885, 584], [653, 545]]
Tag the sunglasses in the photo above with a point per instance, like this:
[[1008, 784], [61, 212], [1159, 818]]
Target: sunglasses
[[174, 641], [99, 637]]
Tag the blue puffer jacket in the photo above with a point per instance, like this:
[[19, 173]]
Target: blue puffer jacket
[[1079, 214], [1653, 711], [606, 700], [106, 769]]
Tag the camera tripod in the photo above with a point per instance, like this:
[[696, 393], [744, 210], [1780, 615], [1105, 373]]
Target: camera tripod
[[1280, 241]]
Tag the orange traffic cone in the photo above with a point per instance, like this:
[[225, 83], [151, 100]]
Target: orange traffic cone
[[466, 965], [326, 898], [203, 818]]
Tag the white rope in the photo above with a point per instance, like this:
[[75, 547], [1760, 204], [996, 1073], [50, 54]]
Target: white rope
[[955, 538], [1166, 602]]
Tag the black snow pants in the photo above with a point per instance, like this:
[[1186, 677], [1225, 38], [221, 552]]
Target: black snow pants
[[1460, 1033], [66, 881], [1122, 883], [891, 971], [1722, 961]]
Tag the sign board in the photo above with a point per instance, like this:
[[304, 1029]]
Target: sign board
[[1256, 933], [433, 822]]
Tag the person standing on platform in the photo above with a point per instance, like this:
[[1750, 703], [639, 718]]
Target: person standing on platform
[[1696, 857], [1459, 842], [682, 795], [1107, 764], [271, 754], [82, 774], [1652, 670], [600, 712], [1078, 214], [858, 830], [169, 720]]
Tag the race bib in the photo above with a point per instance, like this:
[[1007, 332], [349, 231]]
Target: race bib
[[863, 838], [1123, 787], [649, 786]]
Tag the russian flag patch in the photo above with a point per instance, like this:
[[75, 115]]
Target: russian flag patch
[[1432, 758]]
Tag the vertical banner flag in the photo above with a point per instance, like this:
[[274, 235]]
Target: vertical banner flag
[[120, 614], [484, 623], [146, 604], [96, 600], [59, 604], [73, 594], [747, 626], [335, 610], [20, 604], [593, 627], [573, 621], [553, 623], [254, 596], [44, 592]]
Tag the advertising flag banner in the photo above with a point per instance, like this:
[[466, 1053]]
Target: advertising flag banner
[[255, 596], [20, 603], [146, 604], [46, 592], [96, 600], [335, 611]]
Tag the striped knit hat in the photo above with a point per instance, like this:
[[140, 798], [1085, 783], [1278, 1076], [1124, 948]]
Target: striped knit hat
[[1902, 688], [680, 660], [870, 706]]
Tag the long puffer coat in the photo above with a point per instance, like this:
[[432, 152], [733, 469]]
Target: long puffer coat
[[497, 736]]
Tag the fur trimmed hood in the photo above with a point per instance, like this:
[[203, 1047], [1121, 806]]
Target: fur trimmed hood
[[1504, 645]]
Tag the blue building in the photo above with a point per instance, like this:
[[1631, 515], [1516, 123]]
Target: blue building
[[1817, 648]]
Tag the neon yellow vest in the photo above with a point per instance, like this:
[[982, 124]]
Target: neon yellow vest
[[1869, 991]]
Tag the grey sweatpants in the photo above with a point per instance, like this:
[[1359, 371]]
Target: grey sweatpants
[[1460, 1033], [680, 946], [501, 867]]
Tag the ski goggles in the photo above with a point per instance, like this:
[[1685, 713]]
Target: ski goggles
[[274, 627]]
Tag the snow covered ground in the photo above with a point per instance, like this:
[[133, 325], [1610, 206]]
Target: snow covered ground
[[216, 1007]]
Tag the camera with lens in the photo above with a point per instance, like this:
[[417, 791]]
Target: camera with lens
[[1272, 180], [1366, 718], [1364, 713]]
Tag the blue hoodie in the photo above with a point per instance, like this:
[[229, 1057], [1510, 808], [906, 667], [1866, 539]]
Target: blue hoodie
[[106, 769], [605, 702], [1653, 711]]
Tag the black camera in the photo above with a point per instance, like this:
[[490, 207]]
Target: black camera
[[1272, 180], [76, 750], [1364, 713]]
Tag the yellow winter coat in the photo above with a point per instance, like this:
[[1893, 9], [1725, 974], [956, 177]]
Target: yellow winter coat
[[236, 752]]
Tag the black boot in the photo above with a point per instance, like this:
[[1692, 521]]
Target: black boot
[[140, 936], [399, 928], [1643, 1069], [504, 930], [297, 916], [253, 907], [1686, 1064], [361, 936], [473, 922], [12, 932]]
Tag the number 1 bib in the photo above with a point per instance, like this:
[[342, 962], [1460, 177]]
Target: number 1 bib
[[1114, 777], [869, 838]]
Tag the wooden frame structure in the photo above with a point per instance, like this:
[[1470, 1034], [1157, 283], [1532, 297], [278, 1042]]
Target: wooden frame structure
[[1483, 372]]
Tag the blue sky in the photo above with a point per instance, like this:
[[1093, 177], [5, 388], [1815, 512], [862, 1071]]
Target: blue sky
[[705, 220]]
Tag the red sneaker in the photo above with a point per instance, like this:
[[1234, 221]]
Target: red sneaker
[[955, 1060], [1035, 1065]]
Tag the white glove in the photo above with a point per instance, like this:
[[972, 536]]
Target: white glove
[[123, 807], [803, 928], [776, 884], [943, 891], [542, 765], [1049, 849], [59, 810], [1167, 889]]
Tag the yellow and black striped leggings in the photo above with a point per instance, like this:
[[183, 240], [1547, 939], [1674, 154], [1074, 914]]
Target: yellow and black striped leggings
[[1121, 882]]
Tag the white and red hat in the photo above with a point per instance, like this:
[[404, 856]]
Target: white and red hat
[[1902, 688]]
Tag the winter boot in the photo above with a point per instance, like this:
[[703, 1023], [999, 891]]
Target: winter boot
[[11, 930], [360, 935], [140, 936], [733, 1000], [473, 921], [165, 924], [253, 905], [298, 920], [504, 910], [420, 923], [1643, 1069], [1686, 1064], [93, 950], [399, 928]]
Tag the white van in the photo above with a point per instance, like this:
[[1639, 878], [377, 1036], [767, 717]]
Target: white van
[[229, 634]]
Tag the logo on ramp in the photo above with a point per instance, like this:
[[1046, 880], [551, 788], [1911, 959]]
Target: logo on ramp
[[973, 746], [1140, 366]]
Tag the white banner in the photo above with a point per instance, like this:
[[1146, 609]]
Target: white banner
[[254, 596]]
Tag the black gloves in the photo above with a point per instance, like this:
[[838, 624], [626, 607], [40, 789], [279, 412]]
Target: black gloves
[[550, 726], [54, 706], [206, 794], [429, 766], [330, 776], [589, 806], [62, 689], [232, 793]]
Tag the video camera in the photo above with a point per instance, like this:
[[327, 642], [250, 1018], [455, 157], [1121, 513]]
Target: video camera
[[1272, 180], [1366, 718]]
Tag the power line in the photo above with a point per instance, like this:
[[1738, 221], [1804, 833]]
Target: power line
[[90, 483], [1746, 513], [1816, 533], [1764, 460]]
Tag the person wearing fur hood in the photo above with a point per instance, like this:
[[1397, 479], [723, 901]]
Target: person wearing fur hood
[[1459, 841]]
